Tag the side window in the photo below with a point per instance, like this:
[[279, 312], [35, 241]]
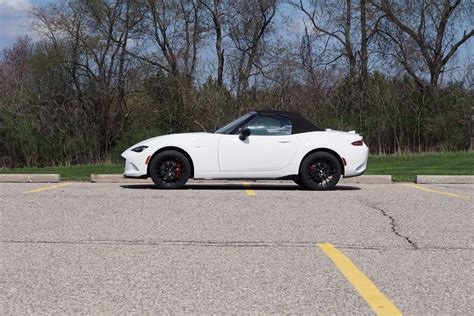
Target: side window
[[270, 125]]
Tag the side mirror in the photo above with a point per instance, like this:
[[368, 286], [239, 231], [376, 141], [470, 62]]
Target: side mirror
[[244, 133]]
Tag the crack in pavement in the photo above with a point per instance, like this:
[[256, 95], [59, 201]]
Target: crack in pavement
[[393, 226]]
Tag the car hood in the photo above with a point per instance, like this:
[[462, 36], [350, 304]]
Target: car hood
[[164, 137]]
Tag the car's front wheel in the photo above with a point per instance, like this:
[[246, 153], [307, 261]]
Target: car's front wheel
[[298, 182], [320, 171], [170, 169]]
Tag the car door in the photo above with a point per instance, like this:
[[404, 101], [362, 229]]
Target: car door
[[270, 146]]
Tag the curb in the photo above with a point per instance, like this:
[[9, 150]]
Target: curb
[[424, 179], [118, 178], [30, 178]]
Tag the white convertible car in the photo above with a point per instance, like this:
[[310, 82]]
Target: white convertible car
[[257, 145]]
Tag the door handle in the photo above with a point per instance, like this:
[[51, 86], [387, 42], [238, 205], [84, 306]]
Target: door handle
[[283, 141]]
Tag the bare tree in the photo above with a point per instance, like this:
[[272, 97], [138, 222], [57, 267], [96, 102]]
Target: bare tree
[[424, 29], [215, 8], [174, 28], [97, 34], [364, 43], [15, 74], [249, 23], [333, 20]]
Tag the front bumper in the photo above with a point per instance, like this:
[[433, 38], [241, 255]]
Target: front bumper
[[132, 171], [130, 177], [135, 166]]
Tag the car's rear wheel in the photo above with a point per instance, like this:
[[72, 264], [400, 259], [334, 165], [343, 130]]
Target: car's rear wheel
[[170, 169], [320, 171]]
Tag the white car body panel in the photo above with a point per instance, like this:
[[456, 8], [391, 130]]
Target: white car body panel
[[223, 156], [256, 153]]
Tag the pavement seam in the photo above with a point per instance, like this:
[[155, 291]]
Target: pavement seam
[[393, 226], [197, 243], [194, 243]]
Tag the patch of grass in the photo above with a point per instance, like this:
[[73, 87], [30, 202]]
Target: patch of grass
[[406, 167], [401, 167], [72, 173]]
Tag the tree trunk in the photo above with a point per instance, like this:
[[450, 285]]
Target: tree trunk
[[363, 44], [219, 49], [347, 33]]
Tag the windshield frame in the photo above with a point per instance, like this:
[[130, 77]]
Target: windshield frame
[[235, 125]]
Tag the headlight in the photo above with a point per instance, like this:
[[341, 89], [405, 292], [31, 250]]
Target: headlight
[[139, 149]]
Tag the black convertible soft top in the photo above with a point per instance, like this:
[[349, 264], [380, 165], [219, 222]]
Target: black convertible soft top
[[298, 122]]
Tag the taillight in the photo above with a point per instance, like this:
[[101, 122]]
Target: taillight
[[358, 143]]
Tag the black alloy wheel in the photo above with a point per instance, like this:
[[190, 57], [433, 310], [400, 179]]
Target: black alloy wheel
[[170, 169], [320, 171]]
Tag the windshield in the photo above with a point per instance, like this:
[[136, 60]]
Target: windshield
[[232, 125]]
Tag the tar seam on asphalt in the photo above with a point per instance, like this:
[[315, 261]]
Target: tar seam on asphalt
[[189, 243], [192, 243], [393, 226], [223, 244]]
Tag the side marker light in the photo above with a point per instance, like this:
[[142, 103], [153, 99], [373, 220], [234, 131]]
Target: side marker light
[[358, 143]]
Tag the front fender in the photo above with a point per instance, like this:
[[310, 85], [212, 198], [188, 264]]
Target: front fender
[[201, 148]]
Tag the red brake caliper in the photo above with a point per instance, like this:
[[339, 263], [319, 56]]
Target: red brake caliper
[[178, 171], [312, 168]]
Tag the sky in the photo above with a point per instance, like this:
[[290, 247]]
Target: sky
[[14, 20]]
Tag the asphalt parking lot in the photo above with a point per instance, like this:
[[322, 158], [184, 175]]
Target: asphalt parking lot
[[111, 248]]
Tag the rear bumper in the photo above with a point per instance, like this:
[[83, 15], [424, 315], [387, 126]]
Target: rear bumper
[[356, 162], [355, 174]]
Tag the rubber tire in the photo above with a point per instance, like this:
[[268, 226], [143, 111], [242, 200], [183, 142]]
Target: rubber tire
[[305, 178], [299, 182], [165, 185]]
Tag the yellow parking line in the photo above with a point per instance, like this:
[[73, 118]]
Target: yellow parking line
[[363, 285], [249, 191], [419, 187], [48, 188]]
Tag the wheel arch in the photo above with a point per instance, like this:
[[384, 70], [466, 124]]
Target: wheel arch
[[184, 152], [327, 150]]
